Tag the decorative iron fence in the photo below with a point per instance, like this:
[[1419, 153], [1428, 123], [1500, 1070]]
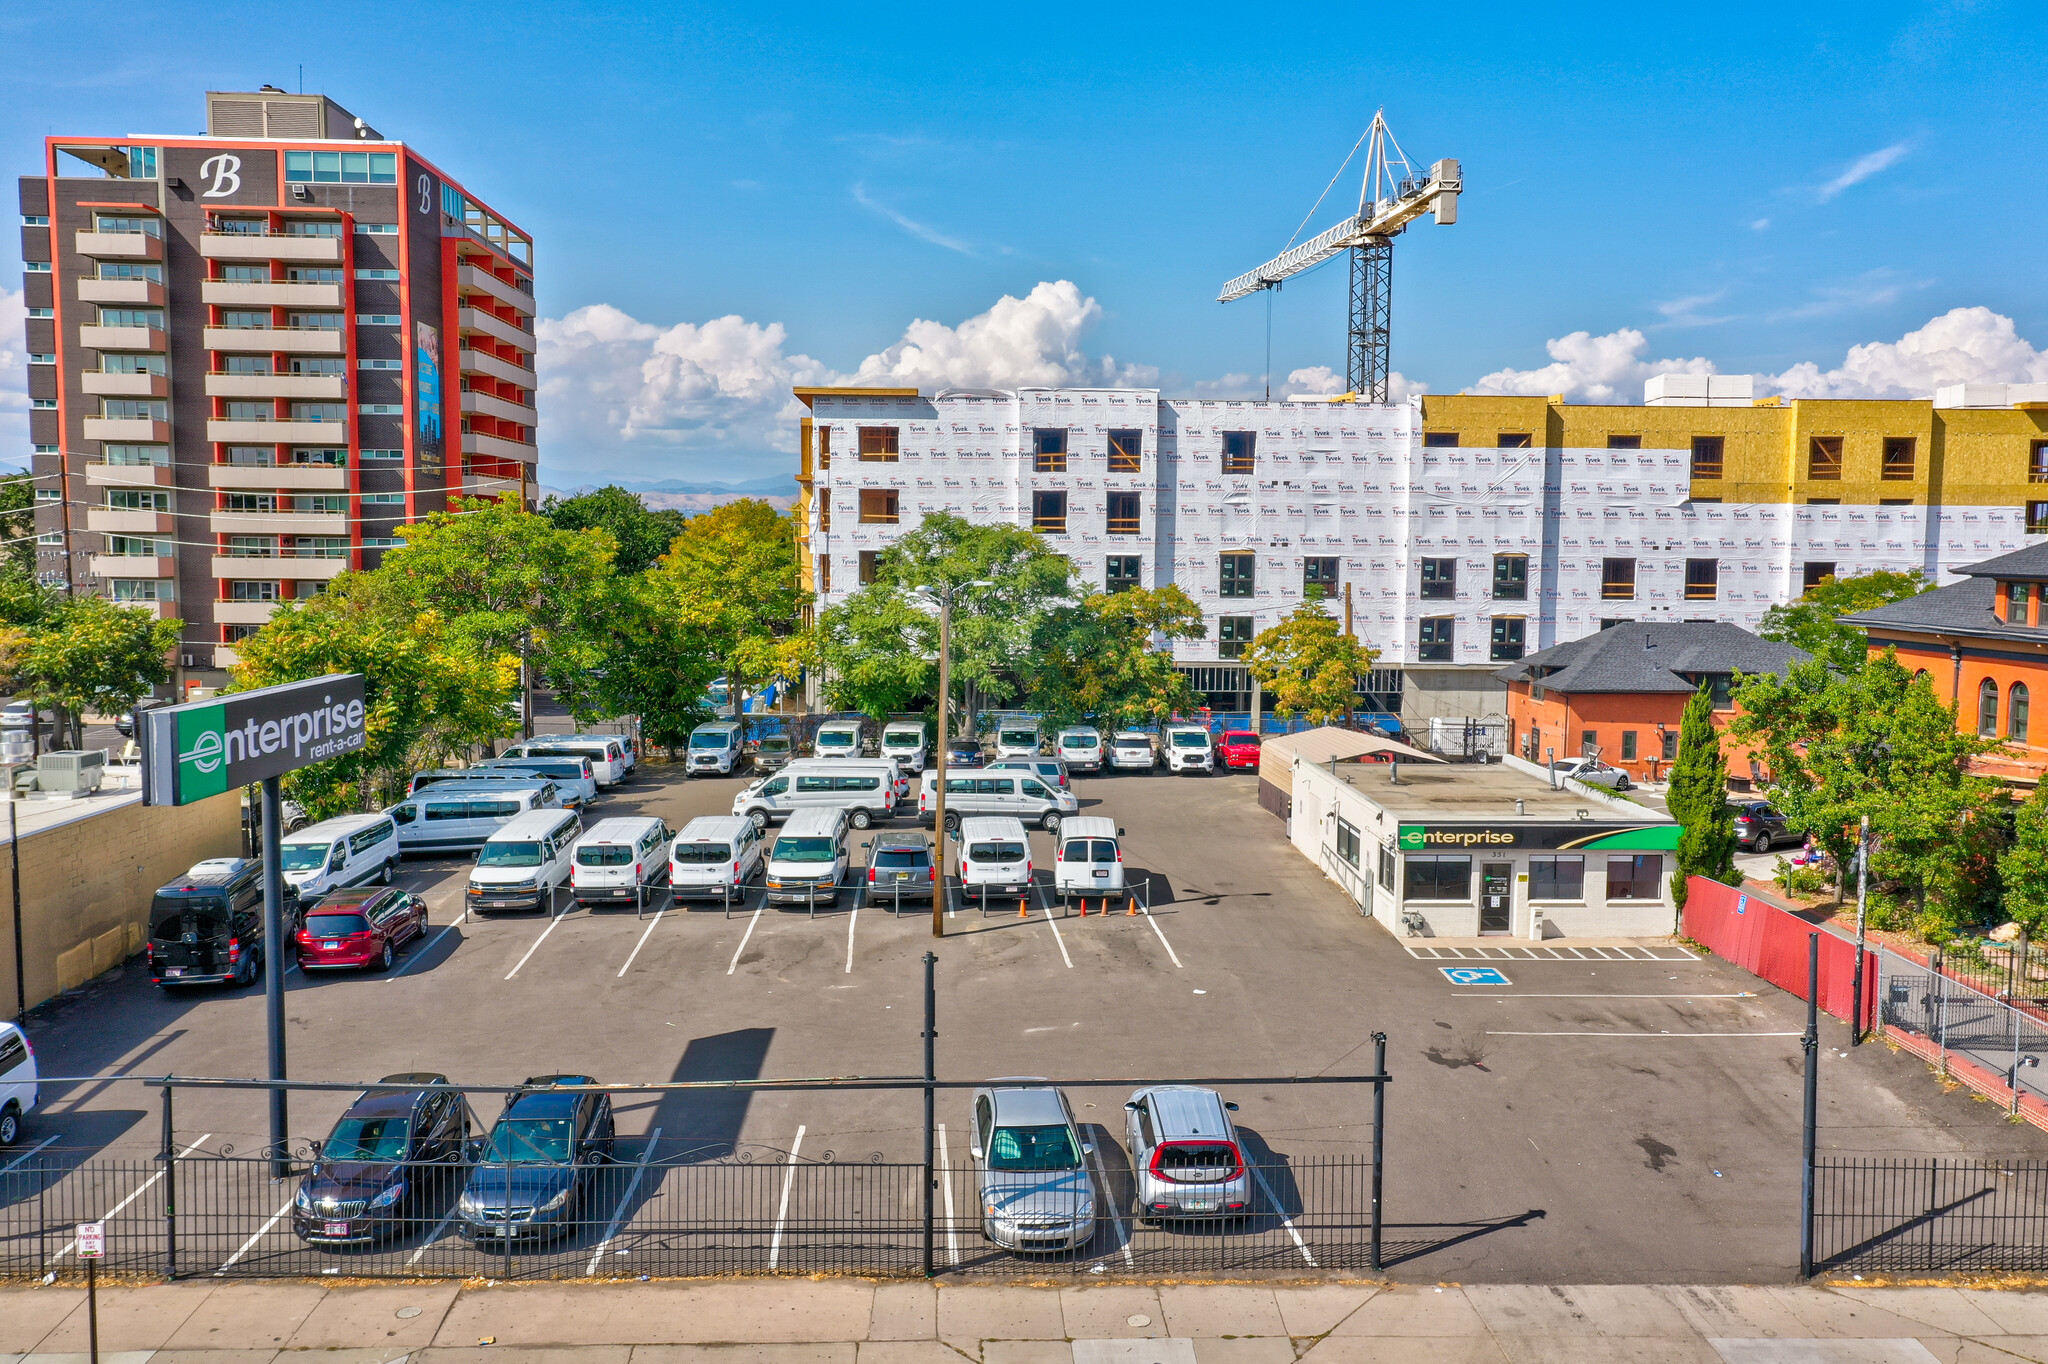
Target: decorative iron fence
[[1930, 1213]]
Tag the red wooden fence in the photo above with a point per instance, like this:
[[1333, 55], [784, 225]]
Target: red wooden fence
[[1771, 942]]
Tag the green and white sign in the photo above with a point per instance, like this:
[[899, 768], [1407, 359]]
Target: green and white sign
[[1573, 836], [203, 748]]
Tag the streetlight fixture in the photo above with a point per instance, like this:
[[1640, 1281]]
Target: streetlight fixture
[[944, 597]]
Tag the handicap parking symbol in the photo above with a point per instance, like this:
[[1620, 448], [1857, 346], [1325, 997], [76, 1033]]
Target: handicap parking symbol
[[1474, 975]]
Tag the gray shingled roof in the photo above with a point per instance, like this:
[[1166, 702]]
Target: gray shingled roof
[[1964, 607], [2030, 564], [1641, 657]]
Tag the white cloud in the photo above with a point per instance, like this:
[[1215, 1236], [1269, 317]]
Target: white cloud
[[14, 440], [1685, 312], [1033, 341], [1759, 224], [915, 229], [1592, 369], [1322, 380], [1963, 345], [1862, 168]]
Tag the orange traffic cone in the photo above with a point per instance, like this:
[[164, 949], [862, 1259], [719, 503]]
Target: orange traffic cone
[[1130, 907], [1084, 906], [1023, 908]]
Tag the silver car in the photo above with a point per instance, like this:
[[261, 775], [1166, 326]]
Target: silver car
[[1036, 1193], [1593, 772], [1185, 1154], [1131, 751]]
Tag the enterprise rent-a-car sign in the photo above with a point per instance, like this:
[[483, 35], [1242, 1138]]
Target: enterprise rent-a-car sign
[[203, 748]]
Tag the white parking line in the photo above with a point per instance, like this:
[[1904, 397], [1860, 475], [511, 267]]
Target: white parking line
[[1056, 936], [439, 1232], [416, 958], [946, 1187], [552, 924], [626, 1201], [643, 938], [1162, 938], [26, 1154], [851, 920], [782, 1213], [746, 935], [1285, 1220], [1102, 1186], [247, 1245], [111, 1213]]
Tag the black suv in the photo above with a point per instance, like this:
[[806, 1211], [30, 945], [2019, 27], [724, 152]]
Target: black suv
[[900, 867], [207, 926], [535, 1172], [388, 1167], [1758, 826]]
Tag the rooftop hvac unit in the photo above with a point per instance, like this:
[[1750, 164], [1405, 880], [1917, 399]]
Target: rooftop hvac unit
[[73, 772]]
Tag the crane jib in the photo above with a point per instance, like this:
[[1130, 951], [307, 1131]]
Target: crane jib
[[1386, 218]]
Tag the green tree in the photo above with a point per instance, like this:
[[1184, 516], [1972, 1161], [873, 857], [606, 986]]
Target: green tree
[[730, 581], [1102, 658], [2023, 867], [643, 535], [653, 666], [1698, 800], [88, 654], [18, 524], [879, 651], [1309, 665], [1811, 621]]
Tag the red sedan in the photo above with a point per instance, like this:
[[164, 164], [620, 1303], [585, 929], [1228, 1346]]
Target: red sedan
[[1240, 748], [361, 926]]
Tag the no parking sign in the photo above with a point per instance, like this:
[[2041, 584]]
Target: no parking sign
[[1475, 975]]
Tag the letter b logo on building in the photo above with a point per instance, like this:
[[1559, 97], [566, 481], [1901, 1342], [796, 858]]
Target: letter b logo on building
[[226, 174], [202, 754]]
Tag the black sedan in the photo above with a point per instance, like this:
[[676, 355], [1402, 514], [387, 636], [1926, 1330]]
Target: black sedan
[[535, 1172], [388, 1166]]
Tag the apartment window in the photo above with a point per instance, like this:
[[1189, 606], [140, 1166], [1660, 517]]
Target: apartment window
[[1049, 513], [824, 573], [135, 409], [1720, 690], [367, 454], [334, 365], [139, 545], [249, 412], [249, 502], [390, 410], [869, 558], [153, 274], [131, 364], [1235, 575], [107, 222], [360, 364], [377, 319], [2037, 462], [824, 447], [1438, 878], [1126, 452], [249, 591], [1702, 579], [1898, 459], [1628, 745], [383, 499], [1987, 709], [1434, 645], [245, 321], [1119, 571], [158, 455], [235, 634], [1511, 577], [1233, 633], [245, 274], [1706, 456], [342, 168], [36, 267], [2016, 603], [1557, 878], [142, 589], [1824, 457], [1618, 579], [2037, 518], [237, 227], [320, 412], [1319, 577], [1439, 440], [152, 318], [252, 546], [246, 364], [42, 312], [1509, 635], [314, 322], [1439, 578], [138, 499], [1049, 451], [1512, 440], [373, 229], [878, 506], [1347, 840], [825, 512], [40, 357], [1615, 442], [319, 547], [1123, 514], [1814, 573], [321, 504], [1635, 878], [878, 444], [320, 274], [2016, 713]]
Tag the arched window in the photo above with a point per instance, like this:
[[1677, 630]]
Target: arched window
[[1920, 674], [1987, 709], [2016, 713]]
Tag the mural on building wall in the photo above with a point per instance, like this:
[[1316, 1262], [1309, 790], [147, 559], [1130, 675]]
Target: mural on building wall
[[427, 432]]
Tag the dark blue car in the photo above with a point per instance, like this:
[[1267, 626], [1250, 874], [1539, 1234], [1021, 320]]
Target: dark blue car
[[535, 1171]]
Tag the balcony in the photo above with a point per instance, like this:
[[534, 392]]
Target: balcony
[[497, 447], [120, 246], [331, 388], [127, 292], [471, 361], [117, 521], [120, 338], [225, 657], [131, 566], [277, 433], [477, 320], [105, 384], [312, 478], [249, 566], [237, 293], [128, 430], [244, 247], [279, 523], [487, 405], [484, 485], [291, 340], [129, 476], [470, 280], [246, 612]]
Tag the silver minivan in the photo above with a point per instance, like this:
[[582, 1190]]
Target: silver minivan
[[1185, 1154], [350, 850], [863, 789], [607, 758], [1036, 1193]]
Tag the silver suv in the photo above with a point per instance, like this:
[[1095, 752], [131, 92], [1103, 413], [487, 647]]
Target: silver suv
[[1036, 1194], [1185, 1154]]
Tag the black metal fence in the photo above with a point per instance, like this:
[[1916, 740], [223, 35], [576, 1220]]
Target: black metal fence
[[1930, 1213]]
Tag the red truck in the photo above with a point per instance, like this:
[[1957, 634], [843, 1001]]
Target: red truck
[[1240, 748]]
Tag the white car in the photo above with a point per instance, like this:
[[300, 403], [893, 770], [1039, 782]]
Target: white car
[[1593, 772], [19, 1090], [1131, 751]]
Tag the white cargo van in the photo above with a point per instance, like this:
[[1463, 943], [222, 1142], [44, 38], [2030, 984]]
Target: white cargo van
[[838, 739], [456, 817], [1189, 748], [1018, 739], [352, 850], [522, 864], [1020, 795], [714, 857], [617, 861], [607, 758], [808, 859], [1088, 858], [1081, 747], [715, 748], [995, 859], [904, 740], [20, 1090], [863, 790]]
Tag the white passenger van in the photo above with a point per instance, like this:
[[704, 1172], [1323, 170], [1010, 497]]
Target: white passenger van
[[1188, 748], [904, 740], [838, 739], [20, 1090], [1017, 794], [521, 864], [864, 790], [352, 850], [714, 857], [807, 861], [1081, 747], [1088, 859], [899, 775], [995, 859], [1018, 739], [715, 748], [622, 860], [607, 758], [457, 817]]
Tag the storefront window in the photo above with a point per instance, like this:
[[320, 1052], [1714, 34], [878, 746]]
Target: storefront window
[[1439, 878], [1635, 878], [1386, 869], [1347, 842], [1557, 878]]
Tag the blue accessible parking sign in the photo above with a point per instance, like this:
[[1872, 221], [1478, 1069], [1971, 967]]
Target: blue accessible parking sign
[[1474, 975]]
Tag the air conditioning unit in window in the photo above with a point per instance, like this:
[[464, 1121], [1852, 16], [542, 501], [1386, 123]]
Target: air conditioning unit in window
[[189, 660]]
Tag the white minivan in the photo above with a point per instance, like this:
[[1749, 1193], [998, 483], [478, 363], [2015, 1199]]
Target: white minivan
[[808, 859], [525, 861], [1189, 748], [904, 740], [715, 856], [1080, 746], [715, 748], [838, 739], [456, 817], [995, 859], [19, 1088], [622, 860], [607, 758], [1019, 795], [352, 850], [1088, 859], [864, 791], [1018, 739]]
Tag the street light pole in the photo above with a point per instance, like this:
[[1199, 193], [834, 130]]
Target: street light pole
[[945, 739]]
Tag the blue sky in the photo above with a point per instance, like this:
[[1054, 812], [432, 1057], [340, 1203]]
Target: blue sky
[[1755, 187]]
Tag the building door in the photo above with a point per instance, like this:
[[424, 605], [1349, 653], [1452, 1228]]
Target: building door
[[1497, 897]]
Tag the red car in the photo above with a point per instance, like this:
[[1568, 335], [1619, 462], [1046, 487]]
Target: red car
[[1240, 748], [360, 926]]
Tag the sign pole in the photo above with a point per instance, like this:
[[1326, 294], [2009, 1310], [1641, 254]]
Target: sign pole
[[92, 1243], [274, 940]]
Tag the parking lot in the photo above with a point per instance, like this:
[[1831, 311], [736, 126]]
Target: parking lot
[[1590, 1120]]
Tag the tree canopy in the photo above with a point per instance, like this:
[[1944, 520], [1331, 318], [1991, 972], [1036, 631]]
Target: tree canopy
[[730, 581], [1309, 665], [641, 533], [1811, 621], [1111, 657], [89, 654], [1698, 799]]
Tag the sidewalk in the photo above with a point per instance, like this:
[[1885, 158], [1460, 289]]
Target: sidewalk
[[848, 1322]]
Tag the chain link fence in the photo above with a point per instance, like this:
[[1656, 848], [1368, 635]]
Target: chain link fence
[[1958, 1026]]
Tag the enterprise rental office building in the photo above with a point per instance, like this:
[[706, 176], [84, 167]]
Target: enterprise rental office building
[[1460, 850]]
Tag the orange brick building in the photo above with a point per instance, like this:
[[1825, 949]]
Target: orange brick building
[[1619, 695]]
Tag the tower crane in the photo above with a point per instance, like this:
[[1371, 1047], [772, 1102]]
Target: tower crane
[[1388, 201]]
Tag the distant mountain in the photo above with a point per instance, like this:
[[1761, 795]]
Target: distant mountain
[[783, 486]]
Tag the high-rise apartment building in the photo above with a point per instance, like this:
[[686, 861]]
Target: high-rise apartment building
[[254, 355]]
